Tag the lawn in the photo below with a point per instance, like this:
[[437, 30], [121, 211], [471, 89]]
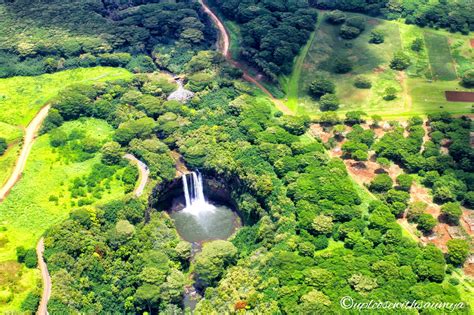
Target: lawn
[[441, 61], [27, 212]]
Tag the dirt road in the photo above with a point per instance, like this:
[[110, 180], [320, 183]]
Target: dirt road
[[224, 45], [43, 306], [28, 140], [144, 174]]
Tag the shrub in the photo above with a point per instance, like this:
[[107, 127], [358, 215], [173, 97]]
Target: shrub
[[3, 145], [361, 82], [111, 153], [30, 303], [321, 86], [417, 45], [426, 223], [458, 251], [321, 242], [357, 22], [390, 93], [376, 37], [328, 102], [349, 32], [342, 65], [335, 17], [451, 212], [26, 256], [57, 138], [469, 199], [415, 210], [400, 61], [468, 78], [381, 183], [404, 182]]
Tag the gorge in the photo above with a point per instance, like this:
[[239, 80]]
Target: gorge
[[198, 219]]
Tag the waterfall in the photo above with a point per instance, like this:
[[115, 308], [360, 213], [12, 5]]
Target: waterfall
[[196, 202]]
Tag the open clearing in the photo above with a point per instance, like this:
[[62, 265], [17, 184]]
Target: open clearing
[[27, 212], [440, 56], [22, 97], [444, 57]]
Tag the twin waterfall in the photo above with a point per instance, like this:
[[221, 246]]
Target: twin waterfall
[[196, 203]]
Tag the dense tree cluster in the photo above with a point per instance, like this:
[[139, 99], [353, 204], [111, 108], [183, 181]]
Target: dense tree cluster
[[308, 239], [453, 15], [108, 33], [272, 31]]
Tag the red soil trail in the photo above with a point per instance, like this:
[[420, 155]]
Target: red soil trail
[[224, 45]]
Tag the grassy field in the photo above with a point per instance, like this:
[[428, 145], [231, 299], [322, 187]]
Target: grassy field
[[27, 212], [369, 60], [441, 61], [22, 97], [444, 56], [420, 63], [290, 84]]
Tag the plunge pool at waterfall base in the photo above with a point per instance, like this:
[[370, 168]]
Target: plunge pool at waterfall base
[[216, 224]]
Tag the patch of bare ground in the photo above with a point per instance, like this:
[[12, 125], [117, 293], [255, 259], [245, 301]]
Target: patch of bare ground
[[320, 132], [467, 221]]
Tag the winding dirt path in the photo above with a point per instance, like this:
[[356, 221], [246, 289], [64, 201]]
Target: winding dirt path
[[28, 140], [224, 45], [144, 174], [43, 306]]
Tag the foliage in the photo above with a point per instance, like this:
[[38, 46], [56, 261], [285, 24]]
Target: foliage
[[264, 29], [211, 262], [458, 251], [404, 182], [451, 212], [417, 45], [381, 183], [400, 61], [102, 33], [467, 79], [451, 15], [3, 145], [376, 37], [335, 17], [361, 82], [426, 223], [321, 86], [328, 102]]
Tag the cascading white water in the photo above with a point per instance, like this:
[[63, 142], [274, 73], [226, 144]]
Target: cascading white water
[[196, 203]]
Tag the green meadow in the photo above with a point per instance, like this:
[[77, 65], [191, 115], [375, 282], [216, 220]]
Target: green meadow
[[420, 89], [22, 97], [28, 211]]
